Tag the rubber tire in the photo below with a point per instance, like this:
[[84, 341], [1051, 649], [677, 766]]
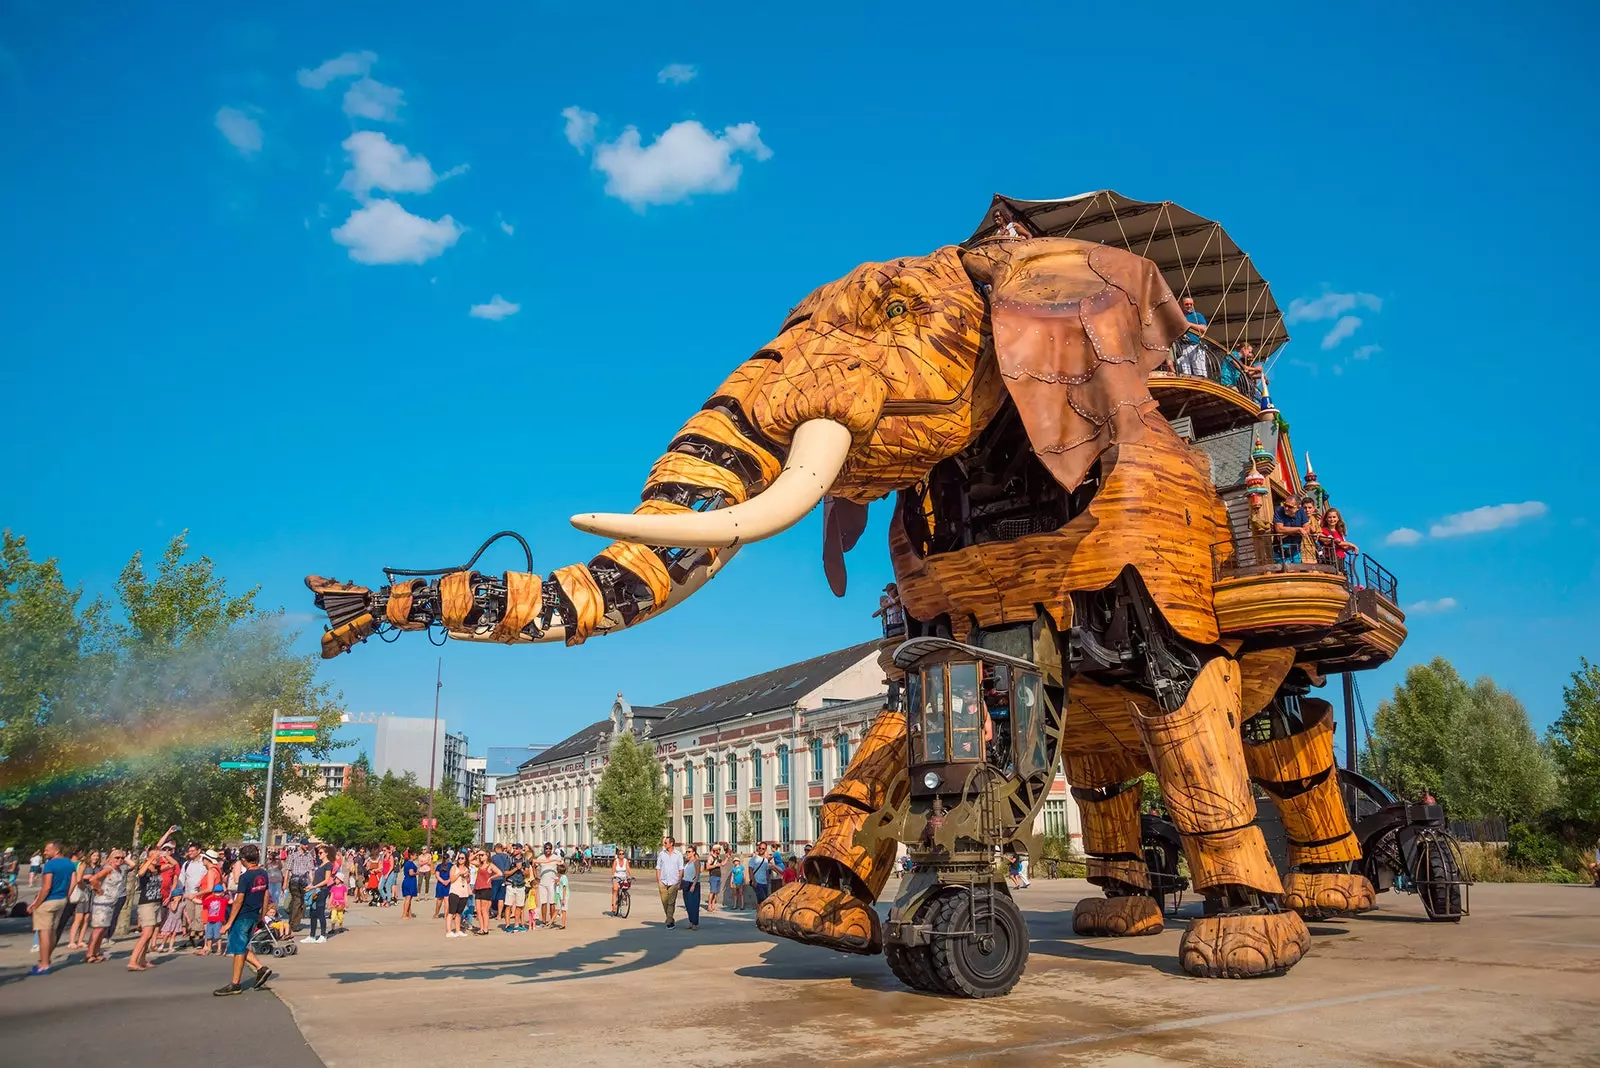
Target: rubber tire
[[1441, 866], [624, 905], [954, 958], [913, 965]]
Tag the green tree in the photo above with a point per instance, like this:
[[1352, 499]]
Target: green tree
[[1495, 764], [343, 820], [1412, 731], [631, 802], [747, 830], [456, 826], [117, 715], [1575, 746]]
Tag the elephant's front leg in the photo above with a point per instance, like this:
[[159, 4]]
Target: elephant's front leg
[[1298, 771], [1106, 789], [1198, 756], [833, 906]]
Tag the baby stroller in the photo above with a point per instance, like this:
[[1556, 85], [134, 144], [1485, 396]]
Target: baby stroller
[[265, 941]]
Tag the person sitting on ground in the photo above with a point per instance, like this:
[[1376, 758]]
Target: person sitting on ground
[[1289, 525]]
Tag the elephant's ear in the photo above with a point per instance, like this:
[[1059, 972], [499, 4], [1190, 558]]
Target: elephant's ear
[[1077, 328]]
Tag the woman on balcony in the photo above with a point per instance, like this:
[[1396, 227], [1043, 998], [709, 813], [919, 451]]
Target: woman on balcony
[[1333, 535]]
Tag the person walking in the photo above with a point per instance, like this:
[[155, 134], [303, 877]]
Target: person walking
[[669, 873], [714, 876], [691, 886], [56, 877], [249, 902], [759, 871], [408, 885]]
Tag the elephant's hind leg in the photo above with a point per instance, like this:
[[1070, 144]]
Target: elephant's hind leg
[[832, 907], [1198, 757], [1107, 795], [1298, 771]]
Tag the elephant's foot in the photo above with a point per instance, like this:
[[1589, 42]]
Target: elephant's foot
[[1243, 945], [1318, 894], [1135, 914], [822, 916]]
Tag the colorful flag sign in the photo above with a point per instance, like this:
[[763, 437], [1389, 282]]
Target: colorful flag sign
[[294, 731]]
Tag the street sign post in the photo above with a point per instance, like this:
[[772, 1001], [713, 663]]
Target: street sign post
[[243, 765]]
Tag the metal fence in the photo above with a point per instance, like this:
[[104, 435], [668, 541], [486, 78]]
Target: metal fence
[[1210, 361], [1491, 830], [1262, 554]]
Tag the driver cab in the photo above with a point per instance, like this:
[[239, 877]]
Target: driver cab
[[970, 713]]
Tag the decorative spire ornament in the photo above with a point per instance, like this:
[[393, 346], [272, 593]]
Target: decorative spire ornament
[[1314, 487], [1262, 460]]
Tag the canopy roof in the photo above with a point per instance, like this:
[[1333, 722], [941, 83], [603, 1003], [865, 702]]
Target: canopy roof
[[1196, 256]]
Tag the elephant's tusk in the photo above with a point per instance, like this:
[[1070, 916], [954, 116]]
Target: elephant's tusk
[[815, 460]]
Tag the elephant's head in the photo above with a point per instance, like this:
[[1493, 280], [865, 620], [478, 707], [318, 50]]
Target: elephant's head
[[872, 380], [878, 376]]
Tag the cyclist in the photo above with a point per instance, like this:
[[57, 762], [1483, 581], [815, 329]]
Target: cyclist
[[621, 875]]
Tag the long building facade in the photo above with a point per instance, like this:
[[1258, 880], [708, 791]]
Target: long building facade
[[743, 762]]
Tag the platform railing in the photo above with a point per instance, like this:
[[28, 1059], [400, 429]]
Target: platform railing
[[1214, 363], [1263, 554]]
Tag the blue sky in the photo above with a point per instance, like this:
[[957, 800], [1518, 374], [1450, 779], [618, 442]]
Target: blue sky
[[342, 287]]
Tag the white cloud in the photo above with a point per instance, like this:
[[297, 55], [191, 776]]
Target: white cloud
[[1330, 306], [676, 73], [1347, 325], [580, 127], [1490, 517], [685, 160], [505, 226], [1366, 352], [242, 131], [378, 163], [497, 309], [348, 65], [384, 232], [1431, 608], [371, 99], [1403, 536]]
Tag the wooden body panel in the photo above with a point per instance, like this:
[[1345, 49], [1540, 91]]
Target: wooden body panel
[[1156, 511], [1302, 755], [1199, 756], [1111, 825], [1262, 673], [1318, 825], [1289, 601], [1098, 720]]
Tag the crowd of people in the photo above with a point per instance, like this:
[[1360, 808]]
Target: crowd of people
[[234, 903], [213, 900]]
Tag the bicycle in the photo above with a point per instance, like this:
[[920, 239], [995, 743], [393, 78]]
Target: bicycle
[[623, 896]]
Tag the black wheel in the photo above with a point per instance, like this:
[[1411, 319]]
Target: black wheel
[[988, 962], [913, 965], [622, 904], [1438, 879]]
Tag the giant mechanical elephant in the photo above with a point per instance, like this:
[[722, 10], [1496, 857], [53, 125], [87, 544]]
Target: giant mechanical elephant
[[1001, 390]]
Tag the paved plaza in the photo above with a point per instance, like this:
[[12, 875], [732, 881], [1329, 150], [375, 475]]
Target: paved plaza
[[1516, 982]]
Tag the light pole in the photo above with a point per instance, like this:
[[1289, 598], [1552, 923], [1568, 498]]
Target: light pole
[[433, 749]]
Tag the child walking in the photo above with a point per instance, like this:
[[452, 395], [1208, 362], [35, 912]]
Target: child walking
[[737, 889], [561, 895], [249, 903]]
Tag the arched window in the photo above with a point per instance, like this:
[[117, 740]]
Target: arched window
[[842, 744], [733, 772], [816, 760], [783, 765], [669, 780], [688, 779], [711, 776], [755, 769]]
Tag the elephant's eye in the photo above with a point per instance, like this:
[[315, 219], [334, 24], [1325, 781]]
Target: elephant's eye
[[896, 308]]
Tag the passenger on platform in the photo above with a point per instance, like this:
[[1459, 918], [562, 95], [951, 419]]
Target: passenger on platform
[[1192, 358], [1290, 524], [1005, 226], [892, 611], [1333, 535], [1242, 372]]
